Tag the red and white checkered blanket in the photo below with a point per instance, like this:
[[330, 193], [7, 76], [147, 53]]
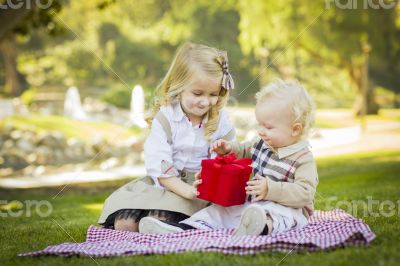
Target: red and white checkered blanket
[[326, 230]]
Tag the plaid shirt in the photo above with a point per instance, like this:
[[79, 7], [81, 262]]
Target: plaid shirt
[[266, 162]]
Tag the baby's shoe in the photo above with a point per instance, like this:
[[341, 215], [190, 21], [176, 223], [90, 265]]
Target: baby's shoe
[[252, 222]]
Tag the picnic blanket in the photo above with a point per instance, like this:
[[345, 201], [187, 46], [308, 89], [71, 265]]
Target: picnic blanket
[[326, 230]]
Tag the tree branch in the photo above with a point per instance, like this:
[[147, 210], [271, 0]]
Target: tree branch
[[10, 17]]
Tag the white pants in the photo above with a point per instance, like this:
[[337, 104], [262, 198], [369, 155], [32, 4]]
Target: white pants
[[217, 217]]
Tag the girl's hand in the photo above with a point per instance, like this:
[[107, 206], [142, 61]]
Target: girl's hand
[[257, 188], [197, 176], [221, 147], [192, 193]]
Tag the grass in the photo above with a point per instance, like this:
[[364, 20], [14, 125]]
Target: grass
[[352, 177], [338, 118], [85, 131]]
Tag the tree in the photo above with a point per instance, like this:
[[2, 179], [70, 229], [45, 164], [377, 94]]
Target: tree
[[19, 18], [292, 33], [350, 36]]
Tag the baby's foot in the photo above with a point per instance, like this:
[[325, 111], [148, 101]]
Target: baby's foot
[[252, 222]]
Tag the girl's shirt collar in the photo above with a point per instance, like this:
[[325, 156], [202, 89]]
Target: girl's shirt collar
[[178, 114]]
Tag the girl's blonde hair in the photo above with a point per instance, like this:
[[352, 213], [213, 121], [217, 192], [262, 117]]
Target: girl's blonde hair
[[297, 98], [191, 58]]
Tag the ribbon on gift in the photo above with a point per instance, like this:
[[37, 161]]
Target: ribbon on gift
[[231, 159]]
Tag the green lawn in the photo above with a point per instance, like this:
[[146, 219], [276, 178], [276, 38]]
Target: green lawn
[[70, 128], [337, 118], [352, 177]]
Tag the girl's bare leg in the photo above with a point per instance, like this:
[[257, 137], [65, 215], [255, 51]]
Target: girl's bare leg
[[126, 225]]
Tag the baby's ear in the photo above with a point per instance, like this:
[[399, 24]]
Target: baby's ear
[[297, 129]]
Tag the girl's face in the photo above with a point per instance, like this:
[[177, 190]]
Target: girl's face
[[199, 97]]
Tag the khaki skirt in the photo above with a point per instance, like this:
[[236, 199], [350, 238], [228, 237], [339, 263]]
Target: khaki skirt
[[141, 194]]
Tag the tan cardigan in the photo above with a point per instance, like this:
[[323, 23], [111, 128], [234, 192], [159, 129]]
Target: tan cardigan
[[300, 193]]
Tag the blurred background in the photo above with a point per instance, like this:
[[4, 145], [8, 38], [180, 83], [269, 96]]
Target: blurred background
[[77, 76]]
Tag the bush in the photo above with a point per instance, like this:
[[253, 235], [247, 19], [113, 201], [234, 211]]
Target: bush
[[120, 97], [29, 95]]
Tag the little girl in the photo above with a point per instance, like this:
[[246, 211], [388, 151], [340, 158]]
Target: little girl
[[187, 117]]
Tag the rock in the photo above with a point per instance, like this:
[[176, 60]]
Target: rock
[[25, 145], [28, 171], [59, 157], [8, 144], [26, 149], [102, 149], [138, 145], [133, 159], [16, 134], [61, 140], [31, 158], [110, 163], [6, 172], [53, 140], [89, 151], [31, 136], [13, 159], [44, 155], [40, 170], [7, 129], [75, 149]]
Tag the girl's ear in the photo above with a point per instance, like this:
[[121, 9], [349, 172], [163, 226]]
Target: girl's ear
[[297, 129]]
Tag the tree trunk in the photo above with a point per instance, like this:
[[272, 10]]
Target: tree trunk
[[355, 72], [12, 86], [372, 106]]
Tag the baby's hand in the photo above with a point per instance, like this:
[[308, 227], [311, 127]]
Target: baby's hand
[[221, 147], [257, 188]]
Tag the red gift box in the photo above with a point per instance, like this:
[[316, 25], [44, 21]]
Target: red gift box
[[224, 180]]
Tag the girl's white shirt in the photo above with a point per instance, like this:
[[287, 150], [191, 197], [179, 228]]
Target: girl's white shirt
[[188, 146]]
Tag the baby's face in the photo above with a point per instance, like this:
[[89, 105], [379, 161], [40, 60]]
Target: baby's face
[[275, 123]]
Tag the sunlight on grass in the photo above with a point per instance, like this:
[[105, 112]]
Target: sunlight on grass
[[337, 118], [93, 206], [386, 115], [13, 205], [70, 128], [374, 156]]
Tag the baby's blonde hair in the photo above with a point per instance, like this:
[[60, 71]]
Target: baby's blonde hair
[[297, 98], [189, 60]]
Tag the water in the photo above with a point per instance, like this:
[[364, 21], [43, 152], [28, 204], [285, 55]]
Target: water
[[73, 106], [137, 107]]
